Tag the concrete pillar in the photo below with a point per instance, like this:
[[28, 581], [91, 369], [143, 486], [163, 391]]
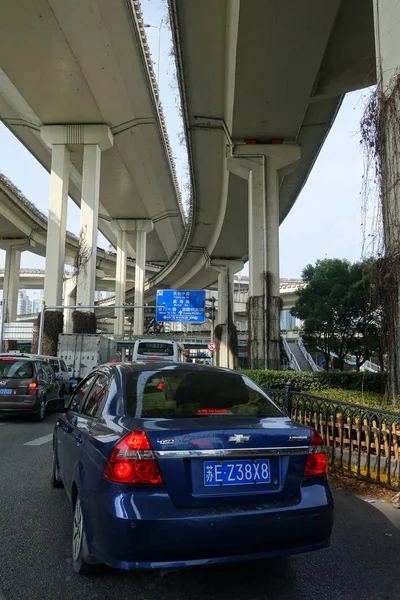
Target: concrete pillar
[[257, 344], [88, 226], [387, 45], [227, 352], [260, 164], [143, 227], [11, 282], [120, 283], [69, 299], [94, 139], [272, 273], [57, 225]]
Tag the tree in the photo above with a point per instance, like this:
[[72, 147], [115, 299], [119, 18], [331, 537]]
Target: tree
[[365, 314], [337, 310]]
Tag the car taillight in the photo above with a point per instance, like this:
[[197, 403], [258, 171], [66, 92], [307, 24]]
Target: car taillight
[[132, 461], [32, 388], [317, 463]]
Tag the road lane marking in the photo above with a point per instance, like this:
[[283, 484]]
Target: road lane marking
[[40, 441]]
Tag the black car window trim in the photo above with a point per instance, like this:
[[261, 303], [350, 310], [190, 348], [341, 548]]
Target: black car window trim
[[83, 382], [41, 374], [103, 401]]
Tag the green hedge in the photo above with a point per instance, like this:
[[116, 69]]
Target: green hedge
[[306, 381]]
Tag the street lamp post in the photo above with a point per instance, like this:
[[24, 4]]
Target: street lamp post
[[147, 25]]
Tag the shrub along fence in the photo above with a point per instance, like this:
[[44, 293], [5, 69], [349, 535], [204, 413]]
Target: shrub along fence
[[360, 440], [310, 381]]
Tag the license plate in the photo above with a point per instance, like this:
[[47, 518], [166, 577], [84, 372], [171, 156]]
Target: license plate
[[236, 472], [5, 391]]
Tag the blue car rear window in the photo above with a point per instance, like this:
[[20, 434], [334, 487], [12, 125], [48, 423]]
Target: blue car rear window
[[182, 393]]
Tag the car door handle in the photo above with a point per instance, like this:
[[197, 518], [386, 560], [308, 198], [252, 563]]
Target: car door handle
[[79, 440]]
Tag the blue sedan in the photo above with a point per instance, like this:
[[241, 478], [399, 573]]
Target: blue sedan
[[176, 465]]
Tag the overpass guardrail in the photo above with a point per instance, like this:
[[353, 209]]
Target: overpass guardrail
[[361, 441], [307, 355], [291, 357]]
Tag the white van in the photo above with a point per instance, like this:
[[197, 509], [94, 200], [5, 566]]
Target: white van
[[152, 349]]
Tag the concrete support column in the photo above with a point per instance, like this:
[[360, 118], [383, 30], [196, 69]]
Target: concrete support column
[[120, 282], [143, 227], [227, 337], [57, 225], [387, 45], [69, 299], [88, 226], [272, 272], [11, 282], [257, 343], [260, 164], [93, 139]]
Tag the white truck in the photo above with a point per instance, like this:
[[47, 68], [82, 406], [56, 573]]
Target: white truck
[[81, 352]]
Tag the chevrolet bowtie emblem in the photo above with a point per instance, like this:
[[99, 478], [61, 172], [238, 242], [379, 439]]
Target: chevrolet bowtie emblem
[[238, 438]]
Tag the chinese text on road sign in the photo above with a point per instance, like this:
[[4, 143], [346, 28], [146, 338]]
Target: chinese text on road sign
[[181, 306]]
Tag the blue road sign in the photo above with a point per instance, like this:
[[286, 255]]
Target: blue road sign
[[181, 306]]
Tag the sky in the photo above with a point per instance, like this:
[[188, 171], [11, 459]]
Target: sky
[[325, 222]]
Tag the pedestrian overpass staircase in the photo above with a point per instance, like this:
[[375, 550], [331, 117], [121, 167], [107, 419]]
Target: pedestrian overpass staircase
[[299, 358], [298, 354]]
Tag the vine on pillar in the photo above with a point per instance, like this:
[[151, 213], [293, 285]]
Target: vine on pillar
[[83, 321], [380, 140], [53, 326]]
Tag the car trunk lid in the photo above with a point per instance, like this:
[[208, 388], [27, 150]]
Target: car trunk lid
[[223, 460]]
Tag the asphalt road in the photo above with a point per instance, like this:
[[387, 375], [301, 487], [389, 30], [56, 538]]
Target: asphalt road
[[35, 532]]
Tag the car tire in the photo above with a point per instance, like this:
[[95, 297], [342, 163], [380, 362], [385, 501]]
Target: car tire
[[55, 477], [42, 411], [82, 562]]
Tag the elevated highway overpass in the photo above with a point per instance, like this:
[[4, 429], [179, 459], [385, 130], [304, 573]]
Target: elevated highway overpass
[[261, 83], [77, 88], [33, 279], [24, 226]]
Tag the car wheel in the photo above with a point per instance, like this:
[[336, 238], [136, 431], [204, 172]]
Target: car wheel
[[55, 477], [82, 562], [42, 411]]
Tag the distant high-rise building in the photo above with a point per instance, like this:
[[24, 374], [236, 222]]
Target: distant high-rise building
[[24, 303], [36, 303]]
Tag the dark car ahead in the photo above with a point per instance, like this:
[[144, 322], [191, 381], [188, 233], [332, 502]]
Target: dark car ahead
[[174, 465], [27, 386]]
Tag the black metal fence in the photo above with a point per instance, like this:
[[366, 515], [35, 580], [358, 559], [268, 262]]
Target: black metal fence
[[359, 440]]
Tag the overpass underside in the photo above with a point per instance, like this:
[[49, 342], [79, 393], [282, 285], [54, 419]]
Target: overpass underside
[[77, 88], [261, 82]]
